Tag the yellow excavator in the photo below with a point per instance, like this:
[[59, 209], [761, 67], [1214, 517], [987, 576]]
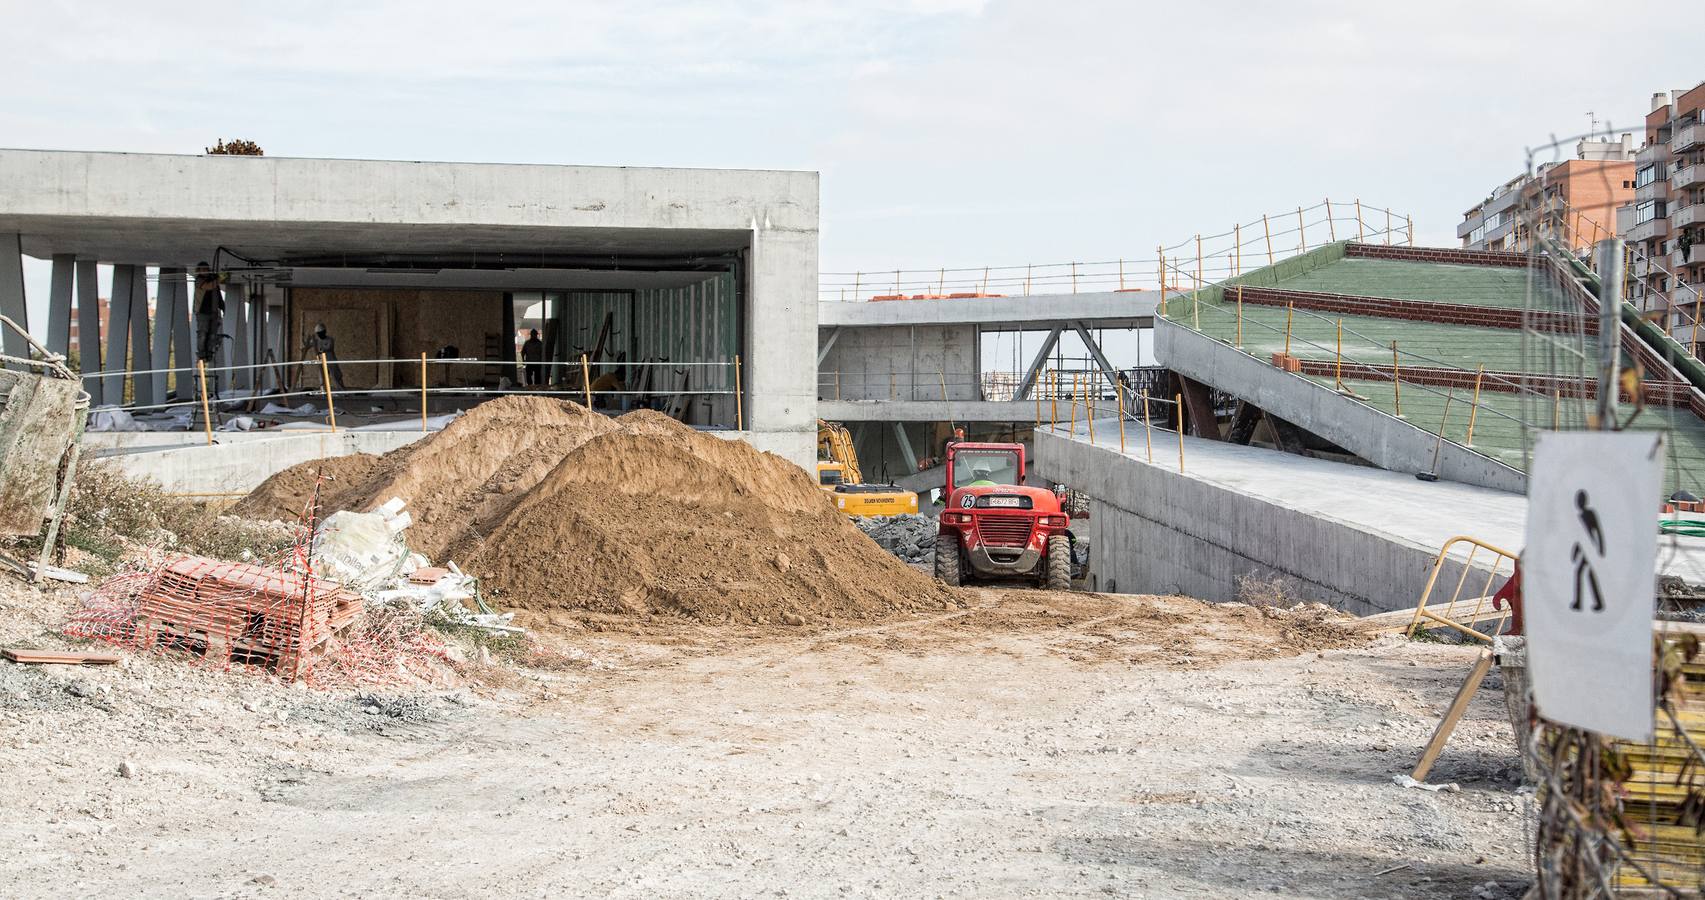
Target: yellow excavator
[[838, 474]]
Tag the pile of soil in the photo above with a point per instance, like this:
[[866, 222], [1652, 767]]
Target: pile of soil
[[567, 515]]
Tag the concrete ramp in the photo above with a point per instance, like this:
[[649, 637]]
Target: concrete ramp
[[1365, 430]]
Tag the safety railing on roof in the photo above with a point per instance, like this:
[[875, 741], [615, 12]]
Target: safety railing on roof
[[574, 380], [1202, 259], [1573, 229]]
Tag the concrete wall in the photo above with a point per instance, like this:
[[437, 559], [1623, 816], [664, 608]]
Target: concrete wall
[[240, 466], [1370, 433], [1155, 530], [902, 363], [780, 341]]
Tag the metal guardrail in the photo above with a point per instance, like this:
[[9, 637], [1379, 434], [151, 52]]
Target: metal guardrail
[[1453, 615]]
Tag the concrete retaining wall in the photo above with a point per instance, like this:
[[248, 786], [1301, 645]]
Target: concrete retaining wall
[[239, 466], [1154, 530]]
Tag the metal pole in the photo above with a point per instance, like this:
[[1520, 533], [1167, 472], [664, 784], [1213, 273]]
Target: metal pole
[[1331, 228], [739, 401], [1237, 254], [1198, 262], [1388, 226], [1411, 221], [1302, 231], [1359, 232], [206, 415], [326, 382], [1121, 274], [1072, 428], [1268, 231], [1074, 278], [423, 391], [1161, 255], [1338, 364], [1053, 399], [1610, 271]]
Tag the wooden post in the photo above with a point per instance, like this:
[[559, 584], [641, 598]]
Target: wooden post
[[1268, 231], [1331, 227], [1178, 400], [739, 398], [1148, 427], [1089, 393], [1161, 251], [1453, 715], [1388, 226], [1338, 363], [1054, 399], [896, 281], [586, 379], [1556, 408], [1359, 232], [1119, 399], [423, 391], [1396, 382], [1289, 308], [1237, 252], [206, 413], [941, 283], [1472, 410], [857, 278], [1198, 262], [1240, 317], [1027, 279], [1074, 278], [1411, 221], [1038, 395], [985, 289], [1072, 428], [1302, 232], [1196, 308], [1121, 274], [326, 379]]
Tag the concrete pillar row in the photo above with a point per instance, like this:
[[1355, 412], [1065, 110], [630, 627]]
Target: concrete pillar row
[[114, 365], [141, 352], [12, 304], [89, 328], [59, 304]]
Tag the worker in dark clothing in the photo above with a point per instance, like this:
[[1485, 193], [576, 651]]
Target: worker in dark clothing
[[209, 313], [533, 354], [318, 343]]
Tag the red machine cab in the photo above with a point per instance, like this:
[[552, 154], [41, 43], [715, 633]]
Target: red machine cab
[[994, 526]]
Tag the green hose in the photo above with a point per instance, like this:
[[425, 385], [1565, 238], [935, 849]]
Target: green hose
[[1682, 527]]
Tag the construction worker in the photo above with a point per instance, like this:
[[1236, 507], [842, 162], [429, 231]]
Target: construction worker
[[320, 343], [533, 354], [209, 313]]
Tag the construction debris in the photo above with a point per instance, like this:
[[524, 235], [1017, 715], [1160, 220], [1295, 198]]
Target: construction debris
[[909, 536], [59, 657]]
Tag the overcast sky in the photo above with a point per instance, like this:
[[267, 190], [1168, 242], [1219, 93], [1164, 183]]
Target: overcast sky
[[947, 132]]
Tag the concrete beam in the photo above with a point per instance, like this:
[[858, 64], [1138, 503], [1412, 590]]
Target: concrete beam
[[906, 451], [1006, 411], [1132, 309], [12, 303], [89, 328], [828, 344], [59, 304], [1036, 364]]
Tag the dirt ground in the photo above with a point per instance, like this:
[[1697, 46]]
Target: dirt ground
[[1034, 744]]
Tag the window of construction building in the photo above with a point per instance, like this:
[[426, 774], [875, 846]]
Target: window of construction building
[[1646, 212], [1645, 175]]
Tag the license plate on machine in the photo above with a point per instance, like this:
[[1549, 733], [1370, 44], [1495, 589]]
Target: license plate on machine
[[1009, 502]]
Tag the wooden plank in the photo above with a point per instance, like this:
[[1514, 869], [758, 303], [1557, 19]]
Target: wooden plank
[[59, 657], [1453, 715]]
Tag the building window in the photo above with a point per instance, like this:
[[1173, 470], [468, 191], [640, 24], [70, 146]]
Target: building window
[[1477, 235], [1646, 212], [1645, 175]]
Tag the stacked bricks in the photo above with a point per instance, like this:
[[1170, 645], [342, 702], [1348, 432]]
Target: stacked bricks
[[228, 613], [1499, 258], [1419, 310]]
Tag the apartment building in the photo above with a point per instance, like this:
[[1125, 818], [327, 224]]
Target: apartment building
[[1574, 201], [1664, 222]]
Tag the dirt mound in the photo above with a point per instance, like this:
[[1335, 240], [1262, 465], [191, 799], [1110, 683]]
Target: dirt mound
[[656, 518], [284, 495], [564, 513]]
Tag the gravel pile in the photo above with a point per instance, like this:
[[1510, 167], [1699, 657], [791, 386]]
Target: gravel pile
[[911, 537]]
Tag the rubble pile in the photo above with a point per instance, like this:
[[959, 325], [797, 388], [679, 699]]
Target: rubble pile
[[909, 536]]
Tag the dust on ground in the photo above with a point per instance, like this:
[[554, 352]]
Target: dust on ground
[[1032, 744]]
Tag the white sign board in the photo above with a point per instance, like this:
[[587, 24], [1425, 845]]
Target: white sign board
[[1588, 578]]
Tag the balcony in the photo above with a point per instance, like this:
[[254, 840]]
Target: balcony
[[1683, 296], [1468, 225], [1651, 153], [1648, 230], [1693, 214], [1688, 137], [1493, 235], [1657, 190], [1695, 256], [1687, 177], [1506, 200]]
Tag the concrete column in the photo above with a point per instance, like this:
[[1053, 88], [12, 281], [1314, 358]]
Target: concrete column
[[237, 325], [89, 328], [168, 320], [160, 348], [141, 353], [12, 304], [59, 304], [183, 337], [780, 341], [118, 334]]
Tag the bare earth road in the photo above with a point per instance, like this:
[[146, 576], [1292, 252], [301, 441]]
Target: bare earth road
[[1036, 745]]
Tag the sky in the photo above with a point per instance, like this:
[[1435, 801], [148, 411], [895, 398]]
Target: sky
[[947, 132]]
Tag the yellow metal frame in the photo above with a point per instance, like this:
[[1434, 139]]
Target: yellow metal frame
[[1482, 610]]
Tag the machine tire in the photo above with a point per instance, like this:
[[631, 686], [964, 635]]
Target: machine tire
[[1059, 575], [947, 559]]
